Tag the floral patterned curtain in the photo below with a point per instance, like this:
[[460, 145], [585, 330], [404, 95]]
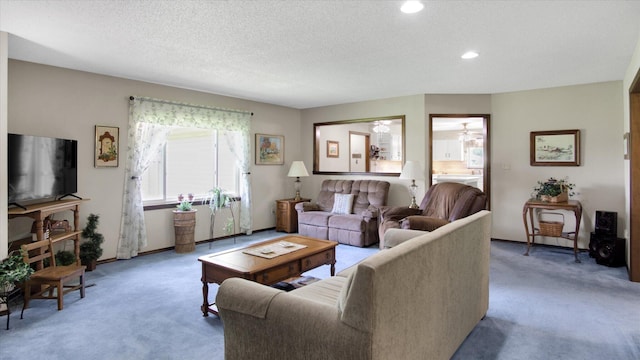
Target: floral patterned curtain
[[149, 123]]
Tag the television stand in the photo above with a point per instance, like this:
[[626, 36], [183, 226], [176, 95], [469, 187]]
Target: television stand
[[38, 212], [65, 195]]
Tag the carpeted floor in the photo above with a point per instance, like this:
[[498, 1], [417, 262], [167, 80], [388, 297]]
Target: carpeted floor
[[543, 306]]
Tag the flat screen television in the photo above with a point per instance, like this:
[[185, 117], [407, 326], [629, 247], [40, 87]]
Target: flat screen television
[[41, 167]]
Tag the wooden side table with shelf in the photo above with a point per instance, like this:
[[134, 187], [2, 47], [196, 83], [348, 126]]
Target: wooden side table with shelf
[[532, 204], [286, 215]]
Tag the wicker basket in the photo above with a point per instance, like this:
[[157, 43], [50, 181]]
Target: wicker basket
[[551, 228]]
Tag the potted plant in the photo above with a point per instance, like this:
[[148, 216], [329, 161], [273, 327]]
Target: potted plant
[[184, 224], [216, 200], [91, 250], [553, 190], [13, 270]]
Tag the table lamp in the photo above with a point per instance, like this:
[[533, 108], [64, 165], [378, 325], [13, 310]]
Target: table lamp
[[412, 170], [297, 170]]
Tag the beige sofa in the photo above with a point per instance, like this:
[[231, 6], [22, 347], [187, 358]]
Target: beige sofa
[[417, 300]]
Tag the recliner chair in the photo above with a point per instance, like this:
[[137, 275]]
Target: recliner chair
[[443, 203]]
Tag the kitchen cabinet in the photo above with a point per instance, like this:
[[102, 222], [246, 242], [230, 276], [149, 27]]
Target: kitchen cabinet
[[447, 150]]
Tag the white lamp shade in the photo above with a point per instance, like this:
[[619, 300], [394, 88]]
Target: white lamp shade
[[412, 171], [297, 169]]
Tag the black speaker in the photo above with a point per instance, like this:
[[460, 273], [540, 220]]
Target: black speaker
[[608, 250], [607, 223]]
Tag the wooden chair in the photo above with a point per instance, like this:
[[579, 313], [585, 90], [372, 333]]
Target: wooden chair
[[51, 278]]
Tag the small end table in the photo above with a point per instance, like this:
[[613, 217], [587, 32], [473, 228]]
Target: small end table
[[286, 215], [571, 205]]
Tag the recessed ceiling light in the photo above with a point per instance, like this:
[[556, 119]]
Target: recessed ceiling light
[[469, 55], [411, 7]]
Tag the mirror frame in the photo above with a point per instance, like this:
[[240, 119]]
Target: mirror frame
[[316, 147]]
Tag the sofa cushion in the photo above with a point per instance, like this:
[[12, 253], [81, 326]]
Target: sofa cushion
[[315, 218], [347, 222], [343, 204], [369, 192], [327, 191], [326, 291]]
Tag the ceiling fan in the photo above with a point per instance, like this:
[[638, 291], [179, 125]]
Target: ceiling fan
[[468, 135]]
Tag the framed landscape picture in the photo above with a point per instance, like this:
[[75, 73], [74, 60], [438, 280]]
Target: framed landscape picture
[[269, 149], [106, 150], [555, 148]]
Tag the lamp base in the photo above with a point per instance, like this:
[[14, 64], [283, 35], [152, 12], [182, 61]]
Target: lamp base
[[413, 204], [297, 198]]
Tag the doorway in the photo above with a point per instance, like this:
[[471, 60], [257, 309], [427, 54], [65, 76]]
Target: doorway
[[358, 152], [459, 148]]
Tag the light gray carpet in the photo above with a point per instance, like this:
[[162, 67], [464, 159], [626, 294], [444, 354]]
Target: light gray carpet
[[541, 307]]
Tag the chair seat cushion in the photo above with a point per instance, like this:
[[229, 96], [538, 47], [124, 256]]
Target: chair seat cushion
[[347, 222], [315, 218]]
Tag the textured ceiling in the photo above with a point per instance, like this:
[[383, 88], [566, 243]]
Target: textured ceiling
[[305, 54]]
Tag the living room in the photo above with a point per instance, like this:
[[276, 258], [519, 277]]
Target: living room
[[46, 100], [66, 98]]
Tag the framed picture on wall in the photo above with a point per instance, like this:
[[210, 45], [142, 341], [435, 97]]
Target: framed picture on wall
[[269, 149], [555, 148], [333, 149], [106, 150], [475, 159]]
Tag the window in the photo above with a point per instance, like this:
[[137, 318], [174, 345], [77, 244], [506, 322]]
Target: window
[[192, 161]]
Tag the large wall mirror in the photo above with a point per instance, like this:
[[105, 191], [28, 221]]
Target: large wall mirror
[[372, 146], [460, 150]]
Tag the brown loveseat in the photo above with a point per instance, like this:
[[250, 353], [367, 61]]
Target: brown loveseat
[[358, 226], [442, 204]]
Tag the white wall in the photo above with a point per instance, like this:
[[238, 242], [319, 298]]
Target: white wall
[[56, 102], [594, 109]]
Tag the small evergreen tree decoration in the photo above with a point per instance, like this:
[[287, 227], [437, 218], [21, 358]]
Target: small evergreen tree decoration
[[90, 251]]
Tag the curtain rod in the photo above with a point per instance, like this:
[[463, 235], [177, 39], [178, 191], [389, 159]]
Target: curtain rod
[[191, 105]]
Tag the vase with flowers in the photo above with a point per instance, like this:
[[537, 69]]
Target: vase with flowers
[[554, 190]]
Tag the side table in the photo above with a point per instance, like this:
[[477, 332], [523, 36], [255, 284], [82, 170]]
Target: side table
[[286, 215], [532, 204]]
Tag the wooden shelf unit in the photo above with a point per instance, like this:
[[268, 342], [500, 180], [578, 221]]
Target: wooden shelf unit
[[38, 212]]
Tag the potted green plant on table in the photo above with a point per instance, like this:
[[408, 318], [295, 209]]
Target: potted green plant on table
[[184, 224], [91, 250], [13, 270], [553, 190]]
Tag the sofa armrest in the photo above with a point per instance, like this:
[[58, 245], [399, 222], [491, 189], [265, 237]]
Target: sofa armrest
[[372, 212], [307, 206], [424, 223], [397, 213], [290, 328]]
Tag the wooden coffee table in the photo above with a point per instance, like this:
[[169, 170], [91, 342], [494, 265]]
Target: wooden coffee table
[[235, 263]]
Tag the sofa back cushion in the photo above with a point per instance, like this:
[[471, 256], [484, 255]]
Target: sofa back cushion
[[369, 192], [327, 191]]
